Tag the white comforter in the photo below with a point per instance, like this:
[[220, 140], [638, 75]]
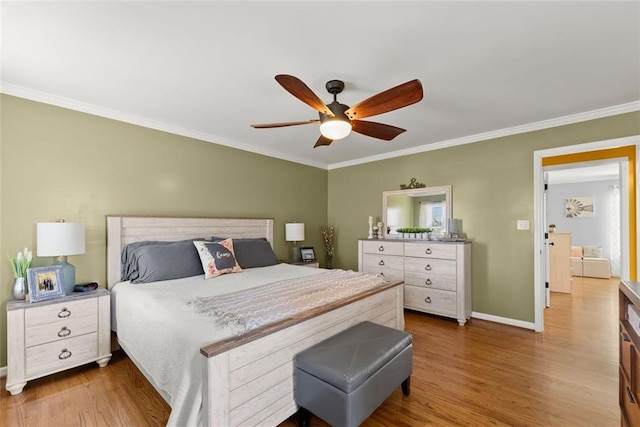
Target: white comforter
[[163, 336]]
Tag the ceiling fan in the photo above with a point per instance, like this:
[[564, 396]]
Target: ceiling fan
[[338, 120]]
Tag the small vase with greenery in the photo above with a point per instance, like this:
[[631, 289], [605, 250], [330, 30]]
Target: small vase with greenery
[[20, 264]]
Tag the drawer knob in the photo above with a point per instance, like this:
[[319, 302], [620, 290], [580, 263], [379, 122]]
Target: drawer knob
[[381, 262], [64, 313], [64, 332], [428, 282], [381, 248], [64, 354], [427, 300], [428, 267], [428, 251]]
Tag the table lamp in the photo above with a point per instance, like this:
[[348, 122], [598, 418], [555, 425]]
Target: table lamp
[[294, 232], [61, 239]]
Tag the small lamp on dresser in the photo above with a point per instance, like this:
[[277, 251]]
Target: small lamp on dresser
[[62, 239], [294, 232]]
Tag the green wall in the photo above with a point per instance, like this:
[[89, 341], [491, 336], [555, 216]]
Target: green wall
[[492, 187], [57, 163]]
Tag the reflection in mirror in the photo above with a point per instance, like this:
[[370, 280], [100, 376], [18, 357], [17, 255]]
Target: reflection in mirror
[[422, 207]]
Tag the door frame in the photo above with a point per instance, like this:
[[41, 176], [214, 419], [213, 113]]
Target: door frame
[[626, 147]]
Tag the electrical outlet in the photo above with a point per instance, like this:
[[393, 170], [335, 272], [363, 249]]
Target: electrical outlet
[[522, 224]]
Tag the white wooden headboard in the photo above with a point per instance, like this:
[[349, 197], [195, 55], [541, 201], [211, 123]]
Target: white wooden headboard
[[122, 230]]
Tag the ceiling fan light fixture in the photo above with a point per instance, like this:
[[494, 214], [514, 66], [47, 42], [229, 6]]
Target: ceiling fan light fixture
[[335, 129]]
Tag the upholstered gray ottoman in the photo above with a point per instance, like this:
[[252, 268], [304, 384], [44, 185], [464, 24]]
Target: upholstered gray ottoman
[[343, 379]]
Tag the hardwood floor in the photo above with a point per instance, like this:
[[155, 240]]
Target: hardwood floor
[[474, 375]]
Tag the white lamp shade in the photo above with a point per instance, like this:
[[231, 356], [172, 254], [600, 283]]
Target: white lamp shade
[[60, 238], [294, 232], [335, 129]]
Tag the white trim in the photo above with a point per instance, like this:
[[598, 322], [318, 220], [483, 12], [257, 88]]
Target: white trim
[[538, 214], [47, 98], [95, 110], [3, 371], [544, 124], [503, 320]]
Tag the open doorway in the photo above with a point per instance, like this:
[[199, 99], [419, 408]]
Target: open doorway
[[583, 215], [623, 150]]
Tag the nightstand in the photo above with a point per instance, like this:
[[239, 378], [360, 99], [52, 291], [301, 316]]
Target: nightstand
[[51, 336], [314, 264]]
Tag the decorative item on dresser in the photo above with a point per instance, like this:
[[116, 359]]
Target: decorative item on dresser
[[328, 236], [437, 275], [629, 389], [20, 265], [51, 336]]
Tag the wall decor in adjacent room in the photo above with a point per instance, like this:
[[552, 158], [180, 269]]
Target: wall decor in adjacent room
[[579, 207]]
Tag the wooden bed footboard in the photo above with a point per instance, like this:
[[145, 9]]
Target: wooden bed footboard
[[249, 381]]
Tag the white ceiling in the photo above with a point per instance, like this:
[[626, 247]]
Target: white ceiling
[[206, 69]]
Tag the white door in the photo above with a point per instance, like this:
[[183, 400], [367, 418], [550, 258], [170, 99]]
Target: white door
[[545, 229]]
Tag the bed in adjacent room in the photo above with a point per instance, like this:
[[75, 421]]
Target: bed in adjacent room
[[220, 349]]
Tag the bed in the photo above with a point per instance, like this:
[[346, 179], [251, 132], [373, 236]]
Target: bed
[[227, 379]]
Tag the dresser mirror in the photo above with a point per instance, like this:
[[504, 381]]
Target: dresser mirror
[[428, 207]]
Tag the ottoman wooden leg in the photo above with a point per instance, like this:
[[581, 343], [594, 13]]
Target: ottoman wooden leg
[[406, 386]]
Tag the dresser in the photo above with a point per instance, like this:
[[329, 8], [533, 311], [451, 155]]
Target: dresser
[[51, 336], [436, 275], [629, 372]]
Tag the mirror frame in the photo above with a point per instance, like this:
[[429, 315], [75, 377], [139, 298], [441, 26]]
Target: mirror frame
[[420, 192]]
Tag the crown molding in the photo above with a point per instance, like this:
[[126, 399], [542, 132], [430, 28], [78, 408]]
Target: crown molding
[[59, 101], [544, 124], [47, 98]]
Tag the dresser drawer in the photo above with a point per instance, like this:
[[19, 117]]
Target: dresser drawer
[[628, 402], [383, 247], [61, 312], [391, 267], [430, 273], [60, 330], [430, 250], [60, 355], [430, 300]]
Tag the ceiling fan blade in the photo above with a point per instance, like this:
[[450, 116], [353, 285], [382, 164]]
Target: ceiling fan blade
[[297, 88], [376, 130], [389, 100], [284, 124], [323, 141]]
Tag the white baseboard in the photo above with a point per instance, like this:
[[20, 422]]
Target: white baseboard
[[3, 371], [503, 320]]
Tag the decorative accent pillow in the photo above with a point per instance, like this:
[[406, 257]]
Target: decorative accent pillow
[[217, 258], [576, 251], [592, 251]]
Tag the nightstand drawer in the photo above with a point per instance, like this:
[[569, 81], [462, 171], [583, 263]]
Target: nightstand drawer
[[57, 331], [56, 356], [61, 312]]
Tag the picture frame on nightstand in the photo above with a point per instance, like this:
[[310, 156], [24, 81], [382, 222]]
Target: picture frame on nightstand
[[45, 283], [307, 253]]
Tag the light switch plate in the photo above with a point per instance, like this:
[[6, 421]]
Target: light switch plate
[[522, 224]]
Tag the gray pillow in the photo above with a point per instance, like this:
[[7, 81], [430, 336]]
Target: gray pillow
[[252, 252], [128, 257], [173, 260]]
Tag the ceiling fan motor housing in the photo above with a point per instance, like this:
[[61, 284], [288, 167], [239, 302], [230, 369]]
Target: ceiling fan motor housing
[[338, 111]]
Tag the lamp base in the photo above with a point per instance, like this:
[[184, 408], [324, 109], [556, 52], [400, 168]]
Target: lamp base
[[294, 254], [68, 275]]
